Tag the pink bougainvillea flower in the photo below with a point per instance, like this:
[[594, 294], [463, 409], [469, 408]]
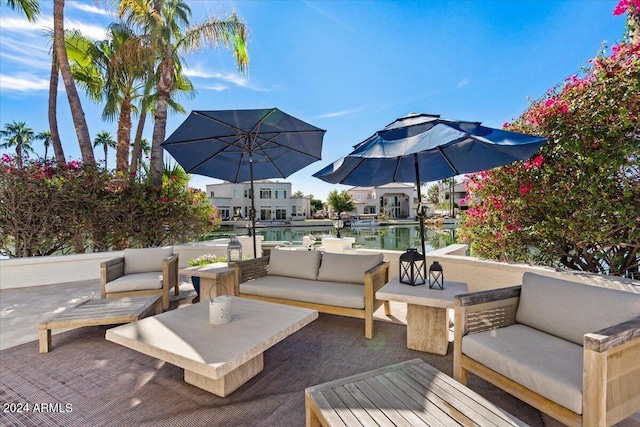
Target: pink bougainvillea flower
[[549, 102], [525, 188], [537, 161], [505, 125], [621, 7]]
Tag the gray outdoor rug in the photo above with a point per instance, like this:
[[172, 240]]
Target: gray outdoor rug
[[88, 381]]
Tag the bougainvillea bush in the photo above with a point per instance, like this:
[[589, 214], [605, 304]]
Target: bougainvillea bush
[[575, 204], [47, 209]]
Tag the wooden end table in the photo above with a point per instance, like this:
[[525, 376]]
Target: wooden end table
[[211, 274], [411, 393], [94, 312], [427, 320]]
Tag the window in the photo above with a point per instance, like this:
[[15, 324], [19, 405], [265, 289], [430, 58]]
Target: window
[[247, 193], [237, 194], [281, 213], [211, 195], [265, 193], [265, 213], [294, 209], [281, 194]]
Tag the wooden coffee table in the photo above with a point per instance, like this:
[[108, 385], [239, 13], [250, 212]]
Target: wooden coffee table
[[427, 320], [411, 393], [215, 358], [93, 312]]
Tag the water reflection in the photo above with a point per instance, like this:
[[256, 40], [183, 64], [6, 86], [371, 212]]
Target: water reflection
[[393, 237]]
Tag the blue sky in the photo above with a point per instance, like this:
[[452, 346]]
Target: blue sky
[[349, 67]]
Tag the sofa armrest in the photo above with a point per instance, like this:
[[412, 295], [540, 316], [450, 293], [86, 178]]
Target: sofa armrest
[[485, 310], [250, 269], [611, 373], [110, 270], [170, 272], [613, 336]]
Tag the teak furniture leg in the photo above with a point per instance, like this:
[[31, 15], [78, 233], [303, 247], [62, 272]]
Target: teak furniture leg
[[229, 383], [45, 340], [427, 329]]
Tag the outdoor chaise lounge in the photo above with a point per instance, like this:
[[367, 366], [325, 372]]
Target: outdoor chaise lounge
[[140, 272], [571, 350]]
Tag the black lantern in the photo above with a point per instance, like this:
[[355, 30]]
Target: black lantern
[[412, 268], [338, 224], [234, 251], [436, 276]]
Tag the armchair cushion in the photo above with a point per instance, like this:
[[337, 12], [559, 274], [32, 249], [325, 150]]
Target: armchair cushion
[[569, 310], [135, 282], [515, 352], [298, 264], [347, 268], [145, 260]]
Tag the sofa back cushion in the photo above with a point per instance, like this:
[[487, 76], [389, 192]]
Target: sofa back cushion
[[299, 264], [347, 268], [569, 310], [145, 260]]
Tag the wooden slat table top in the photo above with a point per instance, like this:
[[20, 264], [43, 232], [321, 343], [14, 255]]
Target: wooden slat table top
[[105, 311], [411, 393]]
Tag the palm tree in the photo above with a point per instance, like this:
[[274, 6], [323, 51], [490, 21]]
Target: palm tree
[[79, 121], [30, 8], [45, 137], [106, 141], [17, 135], [165, 23], [112, 71], [144, 149]]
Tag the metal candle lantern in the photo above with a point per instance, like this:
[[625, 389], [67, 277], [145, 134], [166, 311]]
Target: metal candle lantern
[[412, 268], [436, 276], [234, 251], [338, 224]]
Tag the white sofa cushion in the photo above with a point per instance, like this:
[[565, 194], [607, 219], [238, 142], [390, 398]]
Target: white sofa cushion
[[135, 282], [569, 310], [145, 260], [299, 264], [314, 291], [347, 268], [547, 365]]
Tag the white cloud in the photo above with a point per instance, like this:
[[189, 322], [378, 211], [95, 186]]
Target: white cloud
[[217, 88], [22, 83], [233, 78], [463, 82], [333, 114], [84, 7]]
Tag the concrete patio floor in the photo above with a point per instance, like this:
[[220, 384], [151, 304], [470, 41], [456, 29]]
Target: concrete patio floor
[[22, 309]]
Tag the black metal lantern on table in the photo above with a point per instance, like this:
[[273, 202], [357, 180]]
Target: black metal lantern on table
[[338, 224], [412, 268], [436, 276], [234, 251]]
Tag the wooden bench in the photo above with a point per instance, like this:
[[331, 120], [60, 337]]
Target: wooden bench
[[94, 312], [411, 393]]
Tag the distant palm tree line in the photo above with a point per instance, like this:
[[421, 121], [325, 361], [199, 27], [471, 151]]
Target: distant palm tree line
[[136, 71]]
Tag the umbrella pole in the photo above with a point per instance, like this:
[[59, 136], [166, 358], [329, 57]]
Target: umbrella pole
[[420, 216], [252, 212]]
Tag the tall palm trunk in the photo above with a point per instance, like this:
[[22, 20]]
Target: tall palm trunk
[[80, 124], [165, 85], [53, 112], [136, 152], [124, 137]]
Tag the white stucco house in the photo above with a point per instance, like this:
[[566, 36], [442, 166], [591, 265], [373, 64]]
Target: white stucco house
[[273, 201], [396, 200]]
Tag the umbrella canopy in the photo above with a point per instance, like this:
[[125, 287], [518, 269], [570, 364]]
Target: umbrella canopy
[[424, 147], [244, 145], [443, 148]]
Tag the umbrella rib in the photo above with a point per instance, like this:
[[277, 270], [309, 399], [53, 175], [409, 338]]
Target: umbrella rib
[[444, 156]]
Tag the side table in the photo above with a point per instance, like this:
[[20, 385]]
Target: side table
[[211, 274], [427, 320]]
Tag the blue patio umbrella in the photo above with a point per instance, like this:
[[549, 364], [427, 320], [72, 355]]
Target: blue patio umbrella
[[424, 147], [244, 145]]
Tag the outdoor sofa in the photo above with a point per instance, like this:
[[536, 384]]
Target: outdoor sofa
[[569, 349], [141, 272], [342, 284]]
